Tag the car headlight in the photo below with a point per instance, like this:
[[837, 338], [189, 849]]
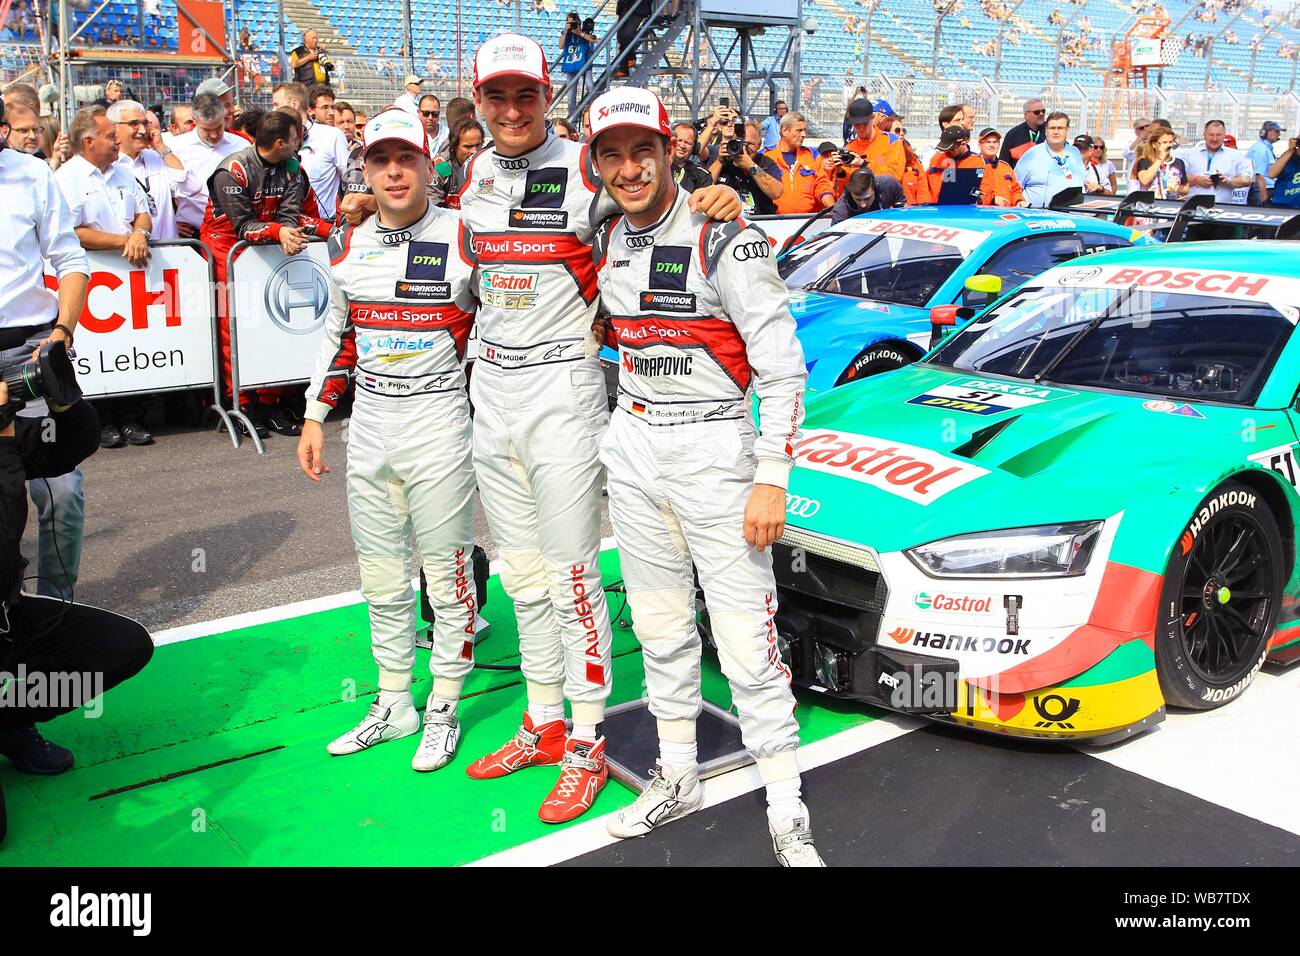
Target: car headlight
[[1049, 550]]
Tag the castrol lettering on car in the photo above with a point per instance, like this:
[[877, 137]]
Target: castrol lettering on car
[[916, 474]]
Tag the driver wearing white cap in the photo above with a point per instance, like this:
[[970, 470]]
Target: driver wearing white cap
[[702, 323], [533, 201], [401, 308]]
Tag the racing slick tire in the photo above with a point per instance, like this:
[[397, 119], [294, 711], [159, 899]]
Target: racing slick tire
[[874, 359], [1220, 599]]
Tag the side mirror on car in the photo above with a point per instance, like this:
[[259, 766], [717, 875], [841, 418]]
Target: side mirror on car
[[942, 318], [981, 290]]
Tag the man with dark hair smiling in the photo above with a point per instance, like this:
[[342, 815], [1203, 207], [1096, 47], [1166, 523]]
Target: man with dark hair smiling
[[533, 201], [707, 493]]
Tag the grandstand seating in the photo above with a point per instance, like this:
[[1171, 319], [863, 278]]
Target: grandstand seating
[[903, 31]]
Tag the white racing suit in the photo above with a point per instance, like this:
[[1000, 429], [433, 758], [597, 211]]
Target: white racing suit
[[702, 323], [540, 409], [401, 308]]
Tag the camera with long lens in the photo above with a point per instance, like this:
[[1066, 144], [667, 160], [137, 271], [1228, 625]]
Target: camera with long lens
[[48, 376], [735, 145]]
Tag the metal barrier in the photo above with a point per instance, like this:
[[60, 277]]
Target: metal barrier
[[276, 296]]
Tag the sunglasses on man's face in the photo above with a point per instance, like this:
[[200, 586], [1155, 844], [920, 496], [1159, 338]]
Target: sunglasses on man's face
[[1037, 112], [430, 114]]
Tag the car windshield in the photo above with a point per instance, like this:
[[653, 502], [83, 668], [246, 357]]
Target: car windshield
[[902, 271], [1200, 347]]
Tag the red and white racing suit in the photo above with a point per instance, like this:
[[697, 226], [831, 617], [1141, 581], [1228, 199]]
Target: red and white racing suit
[[401, 308], [540, 409], [702, 323]]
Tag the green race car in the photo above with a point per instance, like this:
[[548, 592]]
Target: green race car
[[1078, 509]]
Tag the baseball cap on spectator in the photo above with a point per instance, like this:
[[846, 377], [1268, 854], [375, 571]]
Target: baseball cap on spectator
[[882, 106], [510, 54], [861, 111], [951, 136], [412, 78], [1083, 141], [1271, 125], [629, 106], [827, 147], [213, 85], [397, 124], [988, 132]]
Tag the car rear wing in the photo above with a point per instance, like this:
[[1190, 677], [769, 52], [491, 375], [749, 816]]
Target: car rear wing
[[1258, 221]]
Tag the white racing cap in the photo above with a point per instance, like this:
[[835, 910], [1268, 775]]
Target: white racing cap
[[398, 124], [629, 106], [510, 54]]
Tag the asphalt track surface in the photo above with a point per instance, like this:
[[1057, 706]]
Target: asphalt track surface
[[262, 533]]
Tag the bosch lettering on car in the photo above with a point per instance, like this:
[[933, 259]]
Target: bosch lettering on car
[[862, 289], [1070, 608]]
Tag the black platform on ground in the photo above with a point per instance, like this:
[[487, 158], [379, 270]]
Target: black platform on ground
[[939, 796], [632, 742]]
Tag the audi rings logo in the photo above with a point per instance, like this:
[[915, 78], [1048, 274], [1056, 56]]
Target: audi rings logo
[[798, 506], [1079, 276], [639, 242], [297, 295], [758, 249], [512, 163], [397, 238]]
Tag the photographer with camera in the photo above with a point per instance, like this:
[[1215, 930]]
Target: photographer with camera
[[741, 165], [38, 226], [42, 635], [309, 61], [1285, 172]]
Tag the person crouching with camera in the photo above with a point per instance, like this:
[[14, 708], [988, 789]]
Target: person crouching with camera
[[40, 634]]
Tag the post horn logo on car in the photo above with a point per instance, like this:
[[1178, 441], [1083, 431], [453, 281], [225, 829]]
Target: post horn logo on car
[[1056, 711], [297, 295], [801, 507]]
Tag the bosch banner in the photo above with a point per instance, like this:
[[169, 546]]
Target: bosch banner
[[145, 330], [279, 305]]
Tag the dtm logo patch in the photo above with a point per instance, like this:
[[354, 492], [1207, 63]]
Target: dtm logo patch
[[544, 189], [426, 260], [669, 266]]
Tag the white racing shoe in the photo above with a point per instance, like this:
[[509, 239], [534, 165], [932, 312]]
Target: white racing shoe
[[438, 742], [665, 800], [379, 725], [794, 842]]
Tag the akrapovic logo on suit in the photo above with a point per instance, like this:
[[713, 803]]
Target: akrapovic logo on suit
[[657, 365]]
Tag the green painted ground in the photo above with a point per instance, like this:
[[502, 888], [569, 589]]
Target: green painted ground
[[215, 755]]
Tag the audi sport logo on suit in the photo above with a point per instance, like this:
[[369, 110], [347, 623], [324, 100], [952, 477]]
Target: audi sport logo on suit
[[426, 268], [543, 202]]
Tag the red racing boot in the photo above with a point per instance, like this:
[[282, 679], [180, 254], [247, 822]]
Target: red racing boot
[[582, 776], [540, 746]]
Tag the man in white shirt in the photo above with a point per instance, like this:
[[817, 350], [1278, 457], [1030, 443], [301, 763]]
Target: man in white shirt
[[324, 152], [38, 237], [156, 167], [110, 212], [408, 101], [431, 117], [1214, 169], [201, 151]]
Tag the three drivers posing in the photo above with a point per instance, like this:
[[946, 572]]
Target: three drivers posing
[[547, 231]]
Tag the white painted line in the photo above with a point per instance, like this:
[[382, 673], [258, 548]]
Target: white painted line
[[1241, 756], [283, 612], [591, 835]]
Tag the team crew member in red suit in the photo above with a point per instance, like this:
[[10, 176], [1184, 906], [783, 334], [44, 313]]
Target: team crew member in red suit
[[533, 202], [702, 323], [260, 194], [401, 306]]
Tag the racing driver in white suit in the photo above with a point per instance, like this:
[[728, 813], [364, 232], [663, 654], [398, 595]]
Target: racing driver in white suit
[[532, 202], [702, 323], [401, 309]]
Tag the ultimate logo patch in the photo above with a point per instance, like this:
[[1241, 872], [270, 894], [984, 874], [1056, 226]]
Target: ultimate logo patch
[[669, 266], [426, 260]]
